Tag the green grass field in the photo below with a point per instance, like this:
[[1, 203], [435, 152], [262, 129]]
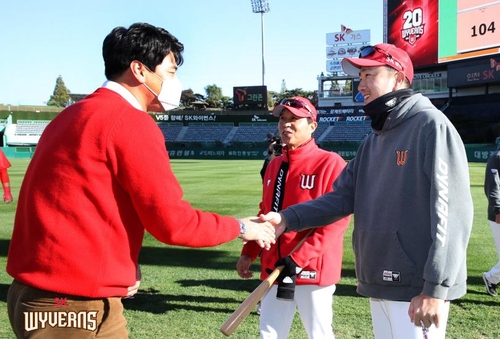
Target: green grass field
[[189, 293]]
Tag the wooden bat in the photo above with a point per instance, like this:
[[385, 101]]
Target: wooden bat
[[252, 300]]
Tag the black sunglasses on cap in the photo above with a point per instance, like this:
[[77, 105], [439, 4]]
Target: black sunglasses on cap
[[296, 104], [366, 51]]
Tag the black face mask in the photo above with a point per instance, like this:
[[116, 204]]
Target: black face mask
[[379, 109]]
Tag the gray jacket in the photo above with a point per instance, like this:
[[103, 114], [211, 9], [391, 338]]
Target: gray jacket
[[409, 190], [492, 184]]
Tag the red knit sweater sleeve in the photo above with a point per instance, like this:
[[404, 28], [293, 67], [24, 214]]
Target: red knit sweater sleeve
[[140, 160]]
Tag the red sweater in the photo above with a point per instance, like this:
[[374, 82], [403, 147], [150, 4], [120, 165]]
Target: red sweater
[[311, 173], [100, 177]]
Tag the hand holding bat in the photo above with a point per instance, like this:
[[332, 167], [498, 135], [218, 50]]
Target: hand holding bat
[[251, 301]]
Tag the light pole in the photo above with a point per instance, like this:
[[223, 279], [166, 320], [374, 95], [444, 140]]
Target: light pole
[[261, 6]]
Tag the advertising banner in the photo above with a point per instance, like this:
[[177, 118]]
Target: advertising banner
[[339, 38], [334, 65], [413, 26], [474, 72], [343, 51], [346, 43], [250, 95]]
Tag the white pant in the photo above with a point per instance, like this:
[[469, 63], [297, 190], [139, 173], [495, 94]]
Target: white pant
[[493, 275], [315, 309], [390, 320]]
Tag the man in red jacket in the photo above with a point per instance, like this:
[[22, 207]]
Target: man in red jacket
[[302, 173], [4, 178], [100, 178]]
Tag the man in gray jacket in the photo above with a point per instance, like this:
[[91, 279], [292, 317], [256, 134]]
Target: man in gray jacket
[[492, 191], [409, 190]]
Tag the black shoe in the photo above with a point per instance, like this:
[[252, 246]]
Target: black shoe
[[491, 289]]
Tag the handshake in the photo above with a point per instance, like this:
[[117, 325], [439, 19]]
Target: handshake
[[263, 229]]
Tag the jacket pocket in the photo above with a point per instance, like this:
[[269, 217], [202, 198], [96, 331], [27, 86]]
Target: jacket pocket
[[381, 260]]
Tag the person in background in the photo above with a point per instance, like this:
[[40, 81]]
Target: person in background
[[273, 150], [100, 178], [302, 172], [492, 191], [409, 190], [4, 178]]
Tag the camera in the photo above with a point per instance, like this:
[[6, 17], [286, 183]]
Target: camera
[[277, 147], [275, 144]]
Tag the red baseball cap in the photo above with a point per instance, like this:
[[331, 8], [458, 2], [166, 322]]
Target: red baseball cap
[[299, 106], [380, 55]]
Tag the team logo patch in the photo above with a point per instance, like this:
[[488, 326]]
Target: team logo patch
[[307, 181], [308, 275], [401, 157], [391, 276]]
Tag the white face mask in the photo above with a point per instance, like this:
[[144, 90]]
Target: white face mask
[[170, 92]]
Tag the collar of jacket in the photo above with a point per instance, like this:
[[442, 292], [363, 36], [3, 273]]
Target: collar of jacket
[[378, 110], [300, 152]]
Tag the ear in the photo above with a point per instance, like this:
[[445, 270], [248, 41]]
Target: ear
[[313, 125], [399, 81], [138, 71], [400, 78]]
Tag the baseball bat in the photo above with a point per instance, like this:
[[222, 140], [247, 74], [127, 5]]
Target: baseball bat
[[251, 301]]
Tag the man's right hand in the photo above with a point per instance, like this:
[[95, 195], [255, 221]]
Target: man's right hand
[[262, 232], [276, 220]]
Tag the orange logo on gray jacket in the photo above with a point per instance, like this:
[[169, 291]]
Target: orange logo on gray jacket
[[401, 157]]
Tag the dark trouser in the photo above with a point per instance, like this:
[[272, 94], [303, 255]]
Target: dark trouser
[[35, 314]]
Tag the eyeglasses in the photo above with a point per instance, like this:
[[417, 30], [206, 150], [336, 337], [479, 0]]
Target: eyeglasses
[[366, 51], [296, 104]]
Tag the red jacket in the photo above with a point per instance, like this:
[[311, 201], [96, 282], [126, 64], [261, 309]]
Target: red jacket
[[311, 173], [99, 178]]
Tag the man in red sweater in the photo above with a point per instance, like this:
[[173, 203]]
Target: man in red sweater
[[92, 190], [302, 173]]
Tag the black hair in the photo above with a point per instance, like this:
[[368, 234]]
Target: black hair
[[142, 42]]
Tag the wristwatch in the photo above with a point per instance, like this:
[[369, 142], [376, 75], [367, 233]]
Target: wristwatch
[[243, 228]]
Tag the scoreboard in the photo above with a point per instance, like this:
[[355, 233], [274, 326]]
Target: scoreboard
[[476, 26], [438, 31]]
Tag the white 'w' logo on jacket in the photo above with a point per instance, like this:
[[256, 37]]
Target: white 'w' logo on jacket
[[307, 181]]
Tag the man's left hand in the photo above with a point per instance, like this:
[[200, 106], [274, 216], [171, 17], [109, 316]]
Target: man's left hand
[[426, 310], [132, 290]]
